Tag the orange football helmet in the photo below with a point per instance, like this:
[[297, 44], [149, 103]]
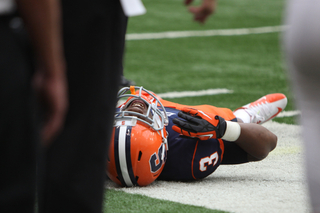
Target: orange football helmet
[[138, 148]]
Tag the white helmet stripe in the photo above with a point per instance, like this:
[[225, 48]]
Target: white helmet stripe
[[123, 156]]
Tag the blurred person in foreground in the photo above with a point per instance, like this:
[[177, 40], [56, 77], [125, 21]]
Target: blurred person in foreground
[[31, 61], [74, 163], [154, 138], [86, 39], [302, 50]]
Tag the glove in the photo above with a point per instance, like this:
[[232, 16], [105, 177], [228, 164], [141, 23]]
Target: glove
[[199, 124]]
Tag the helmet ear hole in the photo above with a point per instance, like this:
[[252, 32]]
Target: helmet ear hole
[[139, 157]]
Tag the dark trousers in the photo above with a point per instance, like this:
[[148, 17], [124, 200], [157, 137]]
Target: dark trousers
[[75, 164], [18, 131]]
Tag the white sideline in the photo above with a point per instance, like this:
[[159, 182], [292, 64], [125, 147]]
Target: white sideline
[[204, 33]]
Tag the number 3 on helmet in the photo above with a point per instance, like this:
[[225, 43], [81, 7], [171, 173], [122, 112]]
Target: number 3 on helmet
[[138, 147]]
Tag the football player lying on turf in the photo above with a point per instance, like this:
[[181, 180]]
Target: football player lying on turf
[[154, 138]]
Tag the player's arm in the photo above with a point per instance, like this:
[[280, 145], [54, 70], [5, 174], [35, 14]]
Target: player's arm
[[254, 139], [42, 20]]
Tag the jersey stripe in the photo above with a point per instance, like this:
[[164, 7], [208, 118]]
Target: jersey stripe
[[222, 149], [194, 154]]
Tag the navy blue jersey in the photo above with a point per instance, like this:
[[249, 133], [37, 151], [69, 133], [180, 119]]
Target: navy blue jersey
[[189, 158]]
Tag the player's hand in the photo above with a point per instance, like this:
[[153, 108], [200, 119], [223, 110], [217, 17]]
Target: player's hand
[[202, 12], [199, 124]]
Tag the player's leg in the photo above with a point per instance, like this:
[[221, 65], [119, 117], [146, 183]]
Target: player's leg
[[302, 45]]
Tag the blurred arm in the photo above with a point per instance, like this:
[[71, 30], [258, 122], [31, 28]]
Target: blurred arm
[[42, 20]]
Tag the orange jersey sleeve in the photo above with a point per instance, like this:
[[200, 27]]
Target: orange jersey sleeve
[[225, 113]]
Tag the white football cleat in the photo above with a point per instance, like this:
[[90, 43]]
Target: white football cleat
[[265, 108]]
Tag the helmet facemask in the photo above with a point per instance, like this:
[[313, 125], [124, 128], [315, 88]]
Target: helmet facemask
[[155, 117]]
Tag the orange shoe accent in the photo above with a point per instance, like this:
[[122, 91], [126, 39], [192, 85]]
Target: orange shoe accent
[[268, 99]]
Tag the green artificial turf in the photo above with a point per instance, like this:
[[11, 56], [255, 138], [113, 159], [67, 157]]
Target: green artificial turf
[[121, 202]]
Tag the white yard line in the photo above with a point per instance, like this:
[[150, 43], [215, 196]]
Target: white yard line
[[288, 113], [204, 33], [194, 93]]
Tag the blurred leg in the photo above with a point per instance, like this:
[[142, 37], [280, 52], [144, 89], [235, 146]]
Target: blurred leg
[[76, 162], [302, 43]]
